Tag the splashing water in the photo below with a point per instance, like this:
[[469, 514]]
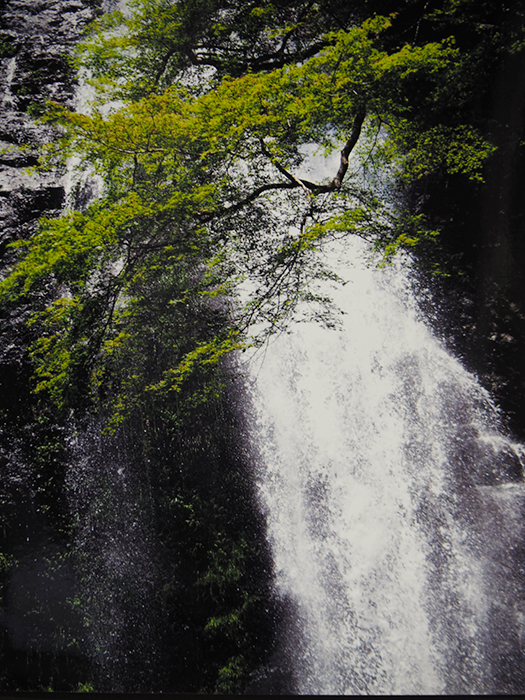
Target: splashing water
[[109, 493], [394, 502]]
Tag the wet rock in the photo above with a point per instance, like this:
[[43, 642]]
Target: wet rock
[[36, 38]]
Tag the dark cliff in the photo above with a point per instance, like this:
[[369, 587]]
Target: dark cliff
[[36, 37], [479, 307]]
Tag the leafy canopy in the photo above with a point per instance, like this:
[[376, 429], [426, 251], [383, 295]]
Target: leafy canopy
[[203, 116]]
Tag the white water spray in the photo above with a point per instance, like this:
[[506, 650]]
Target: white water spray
[[8, 97], [393, 501], [82, 185]]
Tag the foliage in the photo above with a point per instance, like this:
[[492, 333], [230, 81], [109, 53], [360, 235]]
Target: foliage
[[216, 607], [206, 226]]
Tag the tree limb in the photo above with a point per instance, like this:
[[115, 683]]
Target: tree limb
[[348, 147], [224, 211], [343, 166], [294, 181], [266, 62]]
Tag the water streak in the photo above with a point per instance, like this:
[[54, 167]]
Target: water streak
[[8, 97], [394, 501]]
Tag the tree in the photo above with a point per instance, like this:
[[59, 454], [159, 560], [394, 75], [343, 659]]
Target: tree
[[206, 228]]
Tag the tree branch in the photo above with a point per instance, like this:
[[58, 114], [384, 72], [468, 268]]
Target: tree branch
[[294, 181], [348, 148], [224, 211], [343, 166], [266, 62], [307, 186]]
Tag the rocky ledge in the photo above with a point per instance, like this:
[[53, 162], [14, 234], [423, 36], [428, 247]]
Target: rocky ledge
[[36, 39]]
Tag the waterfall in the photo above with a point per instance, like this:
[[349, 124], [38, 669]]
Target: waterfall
[[109, 493], [82, 185], [394, 500], [7, 98], [392, 494]]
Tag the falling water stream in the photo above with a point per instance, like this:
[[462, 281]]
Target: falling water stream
[[394, 501]]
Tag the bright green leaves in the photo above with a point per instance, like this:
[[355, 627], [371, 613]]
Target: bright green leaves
[[69, 249], [176, 138], [454, 150], [204, 354], [431, 59], [60, 248], [51, 353], [409, 231], [207, 228], [411, 80], [204, 39]]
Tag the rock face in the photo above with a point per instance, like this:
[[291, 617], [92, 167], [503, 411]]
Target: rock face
[[482, 311], [36, 37]]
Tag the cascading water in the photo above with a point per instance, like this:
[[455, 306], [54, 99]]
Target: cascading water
[[81, 184], [108, 490], [394, 501], [7, 98]]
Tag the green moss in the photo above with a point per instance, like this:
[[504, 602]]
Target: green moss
[[8, 47]]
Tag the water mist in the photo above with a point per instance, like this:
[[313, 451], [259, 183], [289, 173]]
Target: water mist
[[394, 501]]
